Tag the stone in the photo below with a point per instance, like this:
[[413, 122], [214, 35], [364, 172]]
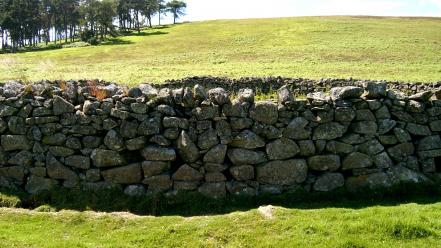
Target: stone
[[364, 115], [236, 109], [402, 135], [187, 149], [139, 108], [77, 161], [371, 147], [307, 148], [298, 129], [199, 92], [159, 183], [348, 92], [383, 160], [150, 126], [134, 190], [429, 154], [385, 125], [435, 126], [93, 175], [418, 130], [435, 111], [246, 95], [3, 126], [38, 184], [23, 158], [213, 190], [208, 139], [248, 140], [365, 127], [216, 154], [400, 174], [134, 92], [328, 131], [6, 110], [187, 173], [329, 182], [240, 189], [56, 170], [375, 90], [415, 107], [318, 98], [422, 96], [129, 129], [17, 173], [243, 172], [265, 112], [106, 158], [73, 143], [324, 162], [340, 148], [215, 177], [206, 112], [166, 110], [281, 149], [429, 143], [401, 151], [14, 142], [288, 172], [243, 156], [17, 125], [169, 122], [211, 167], [91, 141], [135, 144], [123, 175], [267, 131], [61, 151], [388, 140], [57, 139], [114, 141], [119, 114], [223, 130], [356, 160], [371, 181], [61, 106], [153, 168], [90, 108], [344, 114], [383, 113], [285, 95], [157, 153], [218, 96]]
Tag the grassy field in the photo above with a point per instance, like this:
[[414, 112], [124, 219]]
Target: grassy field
[[311, 47], [407, 217], [407, 225]]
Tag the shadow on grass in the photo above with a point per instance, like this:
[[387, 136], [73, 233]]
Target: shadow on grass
[[193, 204]]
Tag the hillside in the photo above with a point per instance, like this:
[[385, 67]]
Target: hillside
[[310, 47]]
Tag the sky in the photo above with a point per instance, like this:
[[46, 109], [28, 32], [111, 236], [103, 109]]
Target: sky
[[198, 10]]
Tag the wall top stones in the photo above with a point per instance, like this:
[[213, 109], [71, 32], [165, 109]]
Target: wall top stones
[[216, 140]]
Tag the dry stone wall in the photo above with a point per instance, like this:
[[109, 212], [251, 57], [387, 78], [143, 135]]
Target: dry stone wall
[[147, 140]]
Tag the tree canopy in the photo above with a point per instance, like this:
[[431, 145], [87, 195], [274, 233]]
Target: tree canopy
[[29, 22]]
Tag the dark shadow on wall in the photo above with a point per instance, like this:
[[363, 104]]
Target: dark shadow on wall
[[193, 204]]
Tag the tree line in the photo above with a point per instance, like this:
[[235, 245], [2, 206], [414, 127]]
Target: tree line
[[29, 22]]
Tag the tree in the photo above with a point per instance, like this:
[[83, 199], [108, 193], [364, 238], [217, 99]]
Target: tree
[[176, 7], [106, 13], [161, 6], [149, 8]]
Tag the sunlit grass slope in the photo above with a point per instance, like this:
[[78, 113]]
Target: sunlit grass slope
[[408, 225], [310, 47]]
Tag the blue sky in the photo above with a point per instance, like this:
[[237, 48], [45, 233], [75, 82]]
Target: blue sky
[[237, 9]]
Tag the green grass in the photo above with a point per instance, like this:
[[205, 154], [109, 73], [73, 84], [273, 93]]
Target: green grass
[[406, 225], [408, 216], [311, 47]]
